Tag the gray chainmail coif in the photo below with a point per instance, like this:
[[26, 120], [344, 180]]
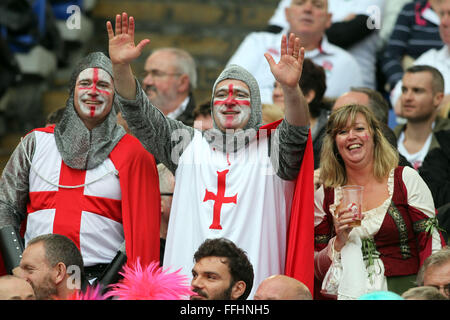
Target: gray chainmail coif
[[233, 140], [81, 148]]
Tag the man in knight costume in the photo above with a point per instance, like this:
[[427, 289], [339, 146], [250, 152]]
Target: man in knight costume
[[227, 184], [84, 178]]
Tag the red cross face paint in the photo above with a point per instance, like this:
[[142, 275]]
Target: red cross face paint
[[94, 93], [231, 108]]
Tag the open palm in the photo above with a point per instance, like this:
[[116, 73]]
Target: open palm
[[289, 69], [122, 49]]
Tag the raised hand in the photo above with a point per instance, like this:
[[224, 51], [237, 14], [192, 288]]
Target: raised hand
[[122, 49], [289, 69]]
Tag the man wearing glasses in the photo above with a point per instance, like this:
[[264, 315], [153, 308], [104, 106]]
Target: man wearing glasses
[[435, 271], [169, 79]]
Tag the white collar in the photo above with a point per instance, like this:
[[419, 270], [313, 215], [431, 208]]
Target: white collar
[[178, 111]]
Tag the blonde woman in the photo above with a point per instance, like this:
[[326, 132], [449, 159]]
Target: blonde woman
[[399, 228]]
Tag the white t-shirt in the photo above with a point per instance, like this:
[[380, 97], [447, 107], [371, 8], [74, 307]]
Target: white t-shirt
[[416, 159]]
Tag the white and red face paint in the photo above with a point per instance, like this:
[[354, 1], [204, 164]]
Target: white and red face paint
[[94, 91], [231, 108]]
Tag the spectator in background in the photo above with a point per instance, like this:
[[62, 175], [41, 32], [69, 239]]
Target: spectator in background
[[169, 81], [422, 93], [308, 20], [435, 271], [15, 288], [53, 265], [368, 97], [202, 116], [390, 14], [281, 287], [313, 85], [437, 58], [423, 293], [416, 31], [222, 271], [352, 28]]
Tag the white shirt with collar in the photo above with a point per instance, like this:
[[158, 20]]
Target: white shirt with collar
[[178, 111], [341, 69], [365, 50], [440, 59]]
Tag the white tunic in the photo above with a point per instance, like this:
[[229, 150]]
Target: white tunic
[[254, 214], [100, 235]]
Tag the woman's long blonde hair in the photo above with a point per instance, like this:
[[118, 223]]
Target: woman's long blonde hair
[[332, 167]]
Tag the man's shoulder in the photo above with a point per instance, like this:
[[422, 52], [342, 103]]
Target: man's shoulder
[[398, 129], [441, 124]]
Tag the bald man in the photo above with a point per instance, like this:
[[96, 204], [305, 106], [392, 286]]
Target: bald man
[[367, 97], [281, 287], [15, 288]]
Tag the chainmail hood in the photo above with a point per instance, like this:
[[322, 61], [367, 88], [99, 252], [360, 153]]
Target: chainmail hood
[[233, 140], [81, 148]]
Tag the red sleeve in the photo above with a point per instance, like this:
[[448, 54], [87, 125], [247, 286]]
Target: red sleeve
[[141, 202]]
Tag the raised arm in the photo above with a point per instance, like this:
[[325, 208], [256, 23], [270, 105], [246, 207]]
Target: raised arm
[[159, 134], [122, 51], [288, 72]]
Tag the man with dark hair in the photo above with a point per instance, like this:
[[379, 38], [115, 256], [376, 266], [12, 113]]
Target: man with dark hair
[[422, 93], [368, 97], [222, 271], [53, 265]]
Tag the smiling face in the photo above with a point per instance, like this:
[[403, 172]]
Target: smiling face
[[231, 104], [93, 96], [355, 143], [36, 270]]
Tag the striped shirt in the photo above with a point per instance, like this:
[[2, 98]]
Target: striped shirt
[[416, 31]]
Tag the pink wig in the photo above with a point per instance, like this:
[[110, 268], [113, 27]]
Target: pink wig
[[150, 283], [91, 293]]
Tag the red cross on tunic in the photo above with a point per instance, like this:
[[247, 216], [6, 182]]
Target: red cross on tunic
[[219, 199], [69, 202]]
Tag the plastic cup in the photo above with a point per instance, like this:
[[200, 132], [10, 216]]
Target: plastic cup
[[352, 199]]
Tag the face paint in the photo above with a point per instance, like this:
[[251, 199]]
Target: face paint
[[232, 106], [94, 91]]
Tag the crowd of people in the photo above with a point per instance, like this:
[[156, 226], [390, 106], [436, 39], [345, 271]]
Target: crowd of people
[[246, 188]]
